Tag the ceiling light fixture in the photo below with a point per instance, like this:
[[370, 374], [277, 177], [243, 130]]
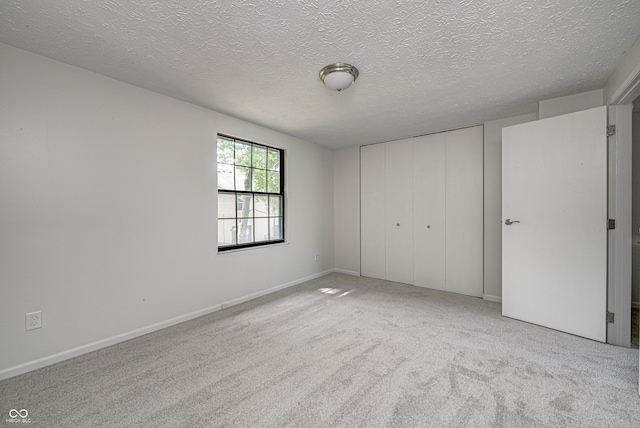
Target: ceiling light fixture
[[339, 76]]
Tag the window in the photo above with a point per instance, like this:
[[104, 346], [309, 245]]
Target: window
[[250, 194]]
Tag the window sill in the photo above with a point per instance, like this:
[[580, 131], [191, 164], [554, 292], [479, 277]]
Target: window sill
[[257, 247]]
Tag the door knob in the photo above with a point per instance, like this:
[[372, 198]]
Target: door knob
[[397, 224], [509, 222]]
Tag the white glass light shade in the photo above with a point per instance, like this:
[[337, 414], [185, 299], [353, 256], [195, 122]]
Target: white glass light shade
[[339, 76], [338, 80]]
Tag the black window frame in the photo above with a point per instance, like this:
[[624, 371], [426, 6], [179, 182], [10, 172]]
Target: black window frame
[[236, 193]]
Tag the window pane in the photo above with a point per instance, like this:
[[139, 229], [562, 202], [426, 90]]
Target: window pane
[[226, 232], [245, 205], [259, 157], [245, 231], [226, 205], [243, 180], [273, 182], [250, 193], [275, 206], [225, 176], [260, 209], [275, 228], [262, 229], [259, 180], [225, 151], [274, 160], [243, 154]]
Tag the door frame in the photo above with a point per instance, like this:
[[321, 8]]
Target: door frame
[[626, 93], [620, 238]]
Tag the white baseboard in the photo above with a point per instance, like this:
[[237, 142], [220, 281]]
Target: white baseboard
[[635, 305], [347, 272], [99, 344], [273, 289], [491, 298]]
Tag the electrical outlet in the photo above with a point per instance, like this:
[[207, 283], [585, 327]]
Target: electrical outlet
[[33, 320]]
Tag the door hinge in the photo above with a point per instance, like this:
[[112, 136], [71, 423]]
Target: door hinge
[[611, 224], [610, 317], [611, 130]]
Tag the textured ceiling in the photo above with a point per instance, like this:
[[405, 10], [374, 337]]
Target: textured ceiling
[[425, 66]]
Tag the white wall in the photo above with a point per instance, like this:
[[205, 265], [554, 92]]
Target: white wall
[[570, 104], [493, 203], [108, 212], [346, 191]]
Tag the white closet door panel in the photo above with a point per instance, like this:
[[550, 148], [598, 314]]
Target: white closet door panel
[[464, 193], [399, 211], [429, 211], [372, 203]]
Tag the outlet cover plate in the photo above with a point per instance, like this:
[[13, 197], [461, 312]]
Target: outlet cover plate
[[33, 320]]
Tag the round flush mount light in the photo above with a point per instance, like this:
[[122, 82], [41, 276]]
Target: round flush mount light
[[339, 76]]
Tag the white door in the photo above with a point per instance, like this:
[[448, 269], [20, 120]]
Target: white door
[[464, 201], [372, 208], [554, 236], [399, 211], [429, 213]]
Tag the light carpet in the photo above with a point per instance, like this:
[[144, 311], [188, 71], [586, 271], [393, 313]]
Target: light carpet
[[340, 351]]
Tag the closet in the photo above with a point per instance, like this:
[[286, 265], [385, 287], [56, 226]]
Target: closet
[[422, 212]]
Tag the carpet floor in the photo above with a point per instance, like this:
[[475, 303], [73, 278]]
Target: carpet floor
[[340, 351]]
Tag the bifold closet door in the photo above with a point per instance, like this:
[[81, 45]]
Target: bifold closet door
[[429, 213], [422, 211], [399, 211], [372, 209], [464, 205]]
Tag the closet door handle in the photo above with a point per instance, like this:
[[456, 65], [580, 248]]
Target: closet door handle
[[397, 224]]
